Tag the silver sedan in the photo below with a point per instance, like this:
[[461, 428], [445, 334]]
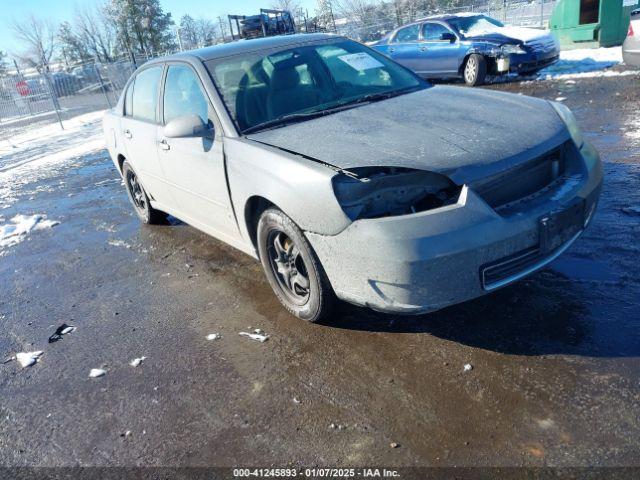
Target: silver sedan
[[348, 176]]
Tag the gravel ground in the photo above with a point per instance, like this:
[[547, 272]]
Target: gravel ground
[[556, 358]]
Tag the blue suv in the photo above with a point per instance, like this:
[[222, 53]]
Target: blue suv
[[469, 46]]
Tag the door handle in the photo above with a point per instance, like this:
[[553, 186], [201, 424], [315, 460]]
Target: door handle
[[127, 134], [423, 49], [391, 50], [164, 145]]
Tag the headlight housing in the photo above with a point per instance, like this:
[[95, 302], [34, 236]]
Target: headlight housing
[[570, 121], [375, 192], [512, 49]]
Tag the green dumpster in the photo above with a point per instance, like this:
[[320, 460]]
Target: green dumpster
[[602, 23]]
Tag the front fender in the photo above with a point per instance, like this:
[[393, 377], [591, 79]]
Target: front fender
[[300, 187]]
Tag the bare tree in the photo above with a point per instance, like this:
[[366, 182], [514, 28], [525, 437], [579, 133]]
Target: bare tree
[[96, 32], [292, 6], [356, 10], [206, 32], [39, 39]]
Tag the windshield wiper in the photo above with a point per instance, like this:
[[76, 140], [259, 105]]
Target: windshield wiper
[[374, 97], [296, 117], [302, 116]]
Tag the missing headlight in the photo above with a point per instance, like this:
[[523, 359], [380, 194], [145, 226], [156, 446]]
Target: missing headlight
[[375, 192]]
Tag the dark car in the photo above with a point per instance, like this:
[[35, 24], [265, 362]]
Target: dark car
[[470, 46], [256, 26]]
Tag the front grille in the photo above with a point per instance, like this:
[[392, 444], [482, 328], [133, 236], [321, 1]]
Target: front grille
[[522, 181]]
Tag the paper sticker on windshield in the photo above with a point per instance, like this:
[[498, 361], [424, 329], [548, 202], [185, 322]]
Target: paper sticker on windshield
[[360, 61]]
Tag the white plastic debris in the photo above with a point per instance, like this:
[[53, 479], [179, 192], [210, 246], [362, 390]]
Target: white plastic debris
[[214, 336], [467, 367], [137, 361], [97, 372], [296, 400], [258, 337], [560, 99], [26, 359], [68, 329]]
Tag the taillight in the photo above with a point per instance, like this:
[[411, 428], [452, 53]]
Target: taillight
[[630, 32]]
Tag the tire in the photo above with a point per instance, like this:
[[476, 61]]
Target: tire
[[139, 199], [292, 268], [475, 70]]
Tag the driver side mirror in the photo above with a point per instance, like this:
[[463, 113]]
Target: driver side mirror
[[448, 36], [187, 126]]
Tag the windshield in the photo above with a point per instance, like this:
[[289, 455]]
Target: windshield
[[475, 25], [260, 88]]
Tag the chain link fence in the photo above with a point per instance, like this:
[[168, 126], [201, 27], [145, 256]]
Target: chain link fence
[[371, 27], [29, 98]]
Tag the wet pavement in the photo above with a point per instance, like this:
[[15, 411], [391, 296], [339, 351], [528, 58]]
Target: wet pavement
[[556, 358]]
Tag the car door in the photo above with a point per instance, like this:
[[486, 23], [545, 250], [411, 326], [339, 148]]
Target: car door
[[140, 130], [193, 167], [439, 55], [403, 47]]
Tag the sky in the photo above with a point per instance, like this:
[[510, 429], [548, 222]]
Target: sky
[[60, 10]]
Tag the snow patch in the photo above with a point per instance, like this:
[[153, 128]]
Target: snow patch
[[119, 243], [43, 152], [585, 62], [137, 361], [97, 372], [27, 359], [22, 225]]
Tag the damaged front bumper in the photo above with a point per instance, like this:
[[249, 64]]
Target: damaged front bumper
[[532, 62], [423, 262]]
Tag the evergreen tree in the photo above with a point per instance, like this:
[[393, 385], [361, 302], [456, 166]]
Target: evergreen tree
[[141, 26], [72, 47]]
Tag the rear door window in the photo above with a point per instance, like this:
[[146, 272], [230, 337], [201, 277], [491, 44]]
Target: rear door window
[[145, 94], [407, 34]]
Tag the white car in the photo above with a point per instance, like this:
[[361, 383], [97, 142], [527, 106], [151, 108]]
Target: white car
[[348, 175]]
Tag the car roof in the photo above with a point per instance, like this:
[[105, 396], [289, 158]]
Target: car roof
[[444, 17], [246, 46]]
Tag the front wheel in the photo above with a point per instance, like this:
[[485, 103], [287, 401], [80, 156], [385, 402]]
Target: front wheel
[[292, 268], [475, 70]]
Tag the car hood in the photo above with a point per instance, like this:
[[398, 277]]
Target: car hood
[[509, 35], [461, 132]]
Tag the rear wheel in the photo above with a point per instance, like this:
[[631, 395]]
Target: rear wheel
[[292, 268], [475, 70], [139, 199]]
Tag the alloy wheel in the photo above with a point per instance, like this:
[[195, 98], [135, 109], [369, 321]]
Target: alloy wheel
[[470, 70], [288, 267], [137, 195]]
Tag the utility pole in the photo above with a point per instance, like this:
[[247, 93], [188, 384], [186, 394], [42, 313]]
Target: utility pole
[[333, 19], [222, 29], [179, 39]]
